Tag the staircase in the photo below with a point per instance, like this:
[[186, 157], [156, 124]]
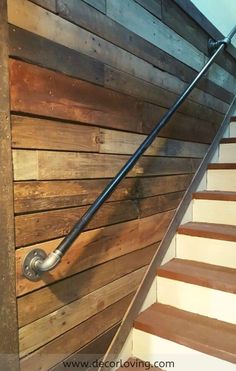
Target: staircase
[[193, 322]]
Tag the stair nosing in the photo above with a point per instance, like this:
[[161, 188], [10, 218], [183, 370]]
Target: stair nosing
[[200, 231]]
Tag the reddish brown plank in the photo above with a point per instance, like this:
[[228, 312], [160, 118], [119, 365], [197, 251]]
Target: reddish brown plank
[[215, 195], [208, 230]]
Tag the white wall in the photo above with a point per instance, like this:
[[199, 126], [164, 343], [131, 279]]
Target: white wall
[[222, 13]]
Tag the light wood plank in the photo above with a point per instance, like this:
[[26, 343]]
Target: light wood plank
[[45, 165], [38, 133], [73, 340], [45, 195], [51, 326], [96, 247]]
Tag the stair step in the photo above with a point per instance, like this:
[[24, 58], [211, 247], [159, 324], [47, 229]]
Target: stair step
[[207, 335], [215, 195], [228, 140], [209, 230], [222, 166], [214, 207], [197, 273], [221, 177], [198, 287], [232, 127], [207, 243]]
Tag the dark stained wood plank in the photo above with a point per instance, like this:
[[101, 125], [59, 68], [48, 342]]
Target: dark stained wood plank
[[105, 27], [153, 6], [8, 316], [98, 4], [46, 300], [174, 17], [215, 195], [157, 204], [96, 247], [47, 4], [73, 340], [36, 196], [40, 91], [204, 334], [127, 84], [180, 126], [228, 140], [209, 230], [38, 50], [49, 165], [32, 228], [29, 132], [222, 166], [201, 274], [91, 352]]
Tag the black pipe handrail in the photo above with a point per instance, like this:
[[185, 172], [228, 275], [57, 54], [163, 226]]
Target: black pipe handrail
[[37, 261]]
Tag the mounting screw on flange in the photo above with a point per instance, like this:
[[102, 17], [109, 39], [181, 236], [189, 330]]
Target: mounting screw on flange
[[29, 264]]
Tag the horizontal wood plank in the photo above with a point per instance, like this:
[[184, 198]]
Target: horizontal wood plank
[[30, 47], [76, 312], [37, 227], [46, 300], [153, 205], [100, 5], [44, 195], [76, 338], [96, 247], [45, 165], [43, 92], [47, 4]]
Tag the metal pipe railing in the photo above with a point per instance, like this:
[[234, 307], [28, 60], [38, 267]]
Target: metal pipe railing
[[37, 261]]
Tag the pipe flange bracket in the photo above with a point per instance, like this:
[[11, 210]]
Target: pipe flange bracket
[[28, 264]]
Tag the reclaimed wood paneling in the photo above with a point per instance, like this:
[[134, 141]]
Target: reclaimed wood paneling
[[45, 165], [9, 359], [78, 311], [74, 339], [38, 50], [100, 5], [47, 4], [42, 302], [40, 91], [96, 247], [46, 195], [81, 14]]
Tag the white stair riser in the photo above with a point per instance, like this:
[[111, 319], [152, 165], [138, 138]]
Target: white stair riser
[[197, 299], [153, 348], [206, 250], [214, 211], [232, 129], [227, 153], [221, 180]]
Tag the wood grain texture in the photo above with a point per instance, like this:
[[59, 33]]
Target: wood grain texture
[[9, 359], [45, 195], [76, 338], [38, 50], [93, 351], [209, 230], [47, 4], [106, 28], [96, 247], [42, 302], [204, 334], [40, 91], [102, 50], [62, 320], [37, 227], [45, 165], [135, 18]]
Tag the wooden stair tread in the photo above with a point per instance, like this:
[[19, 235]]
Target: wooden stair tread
[[215, 195], [228, 140], [201, 333], [137, 365], [201, 274], [222, 166], [233, 119], [209, 230]]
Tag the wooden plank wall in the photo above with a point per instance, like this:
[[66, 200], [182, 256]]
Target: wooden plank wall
[[88, 81]]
